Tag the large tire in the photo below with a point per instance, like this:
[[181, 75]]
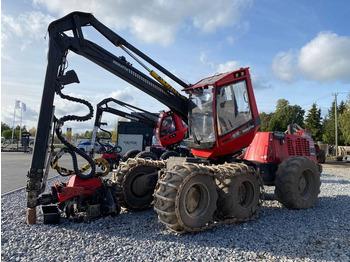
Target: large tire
[[130, 154], [297, 183], [135, 183], [185, 198], [168, 154], [239, 195], [147, 155]]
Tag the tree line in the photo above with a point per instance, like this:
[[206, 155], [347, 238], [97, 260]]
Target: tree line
[[323, 129]]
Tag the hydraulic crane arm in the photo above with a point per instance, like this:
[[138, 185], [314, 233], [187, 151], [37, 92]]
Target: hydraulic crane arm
[[147, 118], [66, 34], [156, 87]]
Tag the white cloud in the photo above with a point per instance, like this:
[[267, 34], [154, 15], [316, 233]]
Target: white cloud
[[326, 58], [140, 25], [211, 15], [157, 20], [260, 82], [124, 94], [282, 66], [228, 66], [27, 26]]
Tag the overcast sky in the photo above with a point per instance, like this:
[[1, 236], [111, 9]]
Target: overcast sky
[[297, 50]]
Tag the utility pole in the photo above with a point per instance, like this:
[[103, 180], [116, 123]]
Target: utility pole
[[336, 123]]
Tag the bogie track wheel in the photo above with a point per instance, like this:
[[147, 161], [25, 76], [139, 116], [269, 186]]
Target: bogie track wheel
[[240, 196], [297, 183], [185, 198], [138, 185], [196, 202]]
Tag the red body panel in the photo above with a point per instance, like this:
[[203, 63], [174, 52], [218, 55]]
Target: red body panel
[[268, 147], [108, 156], [76, 187]]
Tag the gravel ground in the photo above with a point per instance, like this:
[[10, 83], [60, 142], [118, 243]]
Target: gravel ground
[[278, 234]]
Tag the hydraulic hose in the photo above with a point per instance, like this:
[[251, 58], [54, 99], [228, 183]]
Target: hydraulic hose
[[70, 148]]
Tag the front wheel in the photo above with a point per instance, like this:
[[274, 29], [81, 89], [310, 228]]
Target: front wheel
[[297, 183], [136, 185]]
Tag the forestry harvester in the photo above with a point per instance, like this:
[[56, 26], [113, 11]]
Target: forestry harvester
[[224, 180]]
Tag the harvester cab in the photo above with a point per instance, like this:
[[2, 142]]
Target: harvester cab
[[223, 116], [171, 129]]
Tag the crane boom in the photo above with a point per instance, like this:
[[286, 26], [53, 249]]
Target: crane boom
[[66, 34]]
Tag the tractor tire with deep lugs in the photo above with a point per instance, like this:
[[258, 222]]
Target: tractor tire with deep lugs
[[239, 193], [297, 183], [135, 181], [185, 198]]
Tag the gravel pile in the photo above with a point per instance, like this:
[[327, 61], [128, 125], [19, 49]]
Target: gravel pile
[[278, 234]]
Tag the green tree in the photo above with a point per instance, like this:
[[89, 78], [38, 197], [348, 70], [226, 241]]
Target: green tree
[[265, 121], [32, 131], [313, 122], [115, 133], [4, 127], [329, 127], [341, 107], [286, 114], [344, 122], [87, 134], [103, 135], [8, 134]]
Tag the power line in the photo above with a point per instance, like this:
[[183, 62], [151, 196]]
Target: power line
[[323, 97]]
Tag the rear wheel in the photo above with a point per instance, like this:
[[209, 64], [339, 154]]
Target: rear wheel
[[196, 201], [185, 198], [297, 183], [240, 196]]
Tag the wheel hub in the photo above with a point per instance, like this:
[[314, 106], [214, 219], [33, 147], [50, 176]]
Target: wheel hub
[[193, 199], [196, 200], [241, 193], [245, 194], [140, 185], [302, 184]]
